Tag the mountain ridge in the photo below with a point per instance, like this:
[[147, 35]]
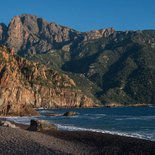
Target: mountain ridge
[[32, 27], [120, 64]]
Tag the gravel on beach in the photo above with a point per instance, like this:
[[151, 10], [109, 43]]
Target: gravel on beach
[[22, 142]]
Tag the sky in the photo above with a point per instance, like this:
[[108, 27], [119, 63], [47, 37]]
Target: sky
[[85, 15]]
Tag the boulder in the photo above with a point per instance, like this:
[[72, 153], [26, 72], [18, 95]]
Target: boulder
[[53, 114], [33, 126], [8, 124], [70, 113], [45, 125], [41, 125]]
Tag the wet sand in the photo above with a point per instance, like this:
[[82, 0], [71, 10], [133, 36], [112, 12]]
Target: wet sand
[[22, 142]]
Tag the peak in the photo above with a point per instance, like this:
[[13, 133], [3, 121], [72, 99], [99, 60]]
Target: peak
[[25, 15], [27, 18], [15, 18], [102, 30], [96, 34], [28, 15]]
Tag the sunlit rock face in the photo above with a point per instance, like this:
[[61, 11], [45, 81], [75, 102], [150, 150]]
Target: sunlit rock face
[[28, 34], [26, 85]]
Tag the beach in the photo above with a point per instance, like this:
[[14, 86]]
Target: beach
[[22, 142]]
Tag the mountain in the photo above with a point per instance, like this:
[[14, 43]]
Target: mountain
[[25, 85], [29, 34], [113, 66], [123, 65]]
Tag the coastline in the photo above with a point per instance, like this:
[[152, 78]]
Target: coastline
[[63, 128], [110, 105], [21, 141], [73, 127]]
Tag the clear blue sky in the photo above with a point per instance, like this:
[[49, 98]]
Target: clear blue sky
[[85, 15]]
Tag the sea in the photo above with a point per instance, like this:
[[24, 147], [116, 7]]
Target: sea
[[136, 122]]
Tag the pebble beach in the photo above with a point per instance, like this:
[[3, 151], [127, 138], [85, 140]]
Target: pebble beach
[[17, 141]]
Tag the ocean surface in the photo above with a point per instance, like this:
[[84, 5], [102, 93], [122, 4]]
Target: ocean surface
[[127, 121]]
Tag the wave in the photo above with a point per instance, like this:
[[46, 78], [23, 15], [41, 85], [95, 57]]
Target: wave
[[26, 120], [93, 116], [138, 118], [133, 135], [21, 120]]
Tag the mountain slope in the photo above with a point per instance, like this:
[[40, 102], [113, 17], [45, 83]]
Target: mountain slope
[[123, 65], [29, 34], [112, 66], [25, 85]]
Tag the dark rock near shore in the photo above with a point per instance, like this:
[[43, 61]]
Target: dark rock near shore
[[70, 113], [45, 125], [41, 125], [33, 125], [53, 114], [8, 124]]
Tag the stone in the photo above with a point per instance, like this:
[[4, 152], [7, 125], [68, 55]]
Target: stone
[[33, 125], [53, 114], [45, 125], [8, 124], [41, 125], [70, 113]]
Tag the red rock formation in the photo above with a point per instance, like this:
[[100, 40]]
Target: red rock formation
[[25, 85]]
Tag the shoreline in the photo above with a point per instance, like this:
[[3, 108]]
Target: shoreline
[[118, 105], [26, 120], [62, 128], [70, 142], [113, 133]]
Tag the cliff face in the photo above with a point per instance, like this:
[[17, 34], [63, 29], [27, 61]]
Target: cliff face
[[29, 34], [25, 85], [112, 66], [96, 34], [34, 35]]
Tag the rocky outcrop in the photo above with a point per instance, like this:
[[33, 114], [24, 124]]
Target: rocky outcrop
[[41, 125], [25, 85], [28, 35], [96, 34], [8, 124], [70, 113], [31, 35]]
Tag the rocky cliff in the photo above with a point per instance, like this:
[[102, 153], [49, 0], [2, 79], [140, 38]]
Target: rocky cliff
[[29, 34], [112, 66], [26, 85]]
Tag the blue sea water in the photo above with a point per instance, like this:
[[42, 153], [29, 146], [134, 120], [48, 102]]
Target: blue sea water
[[128, 121]]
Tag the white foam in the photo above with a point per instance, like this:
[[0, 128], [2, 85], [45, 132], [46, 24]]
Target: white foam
[[22, 120], [141, 118], [134, 135], [94, 114]]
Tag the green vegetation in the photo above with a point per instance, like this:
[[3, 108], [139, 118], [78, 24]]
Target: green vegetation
[[119, 68]]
